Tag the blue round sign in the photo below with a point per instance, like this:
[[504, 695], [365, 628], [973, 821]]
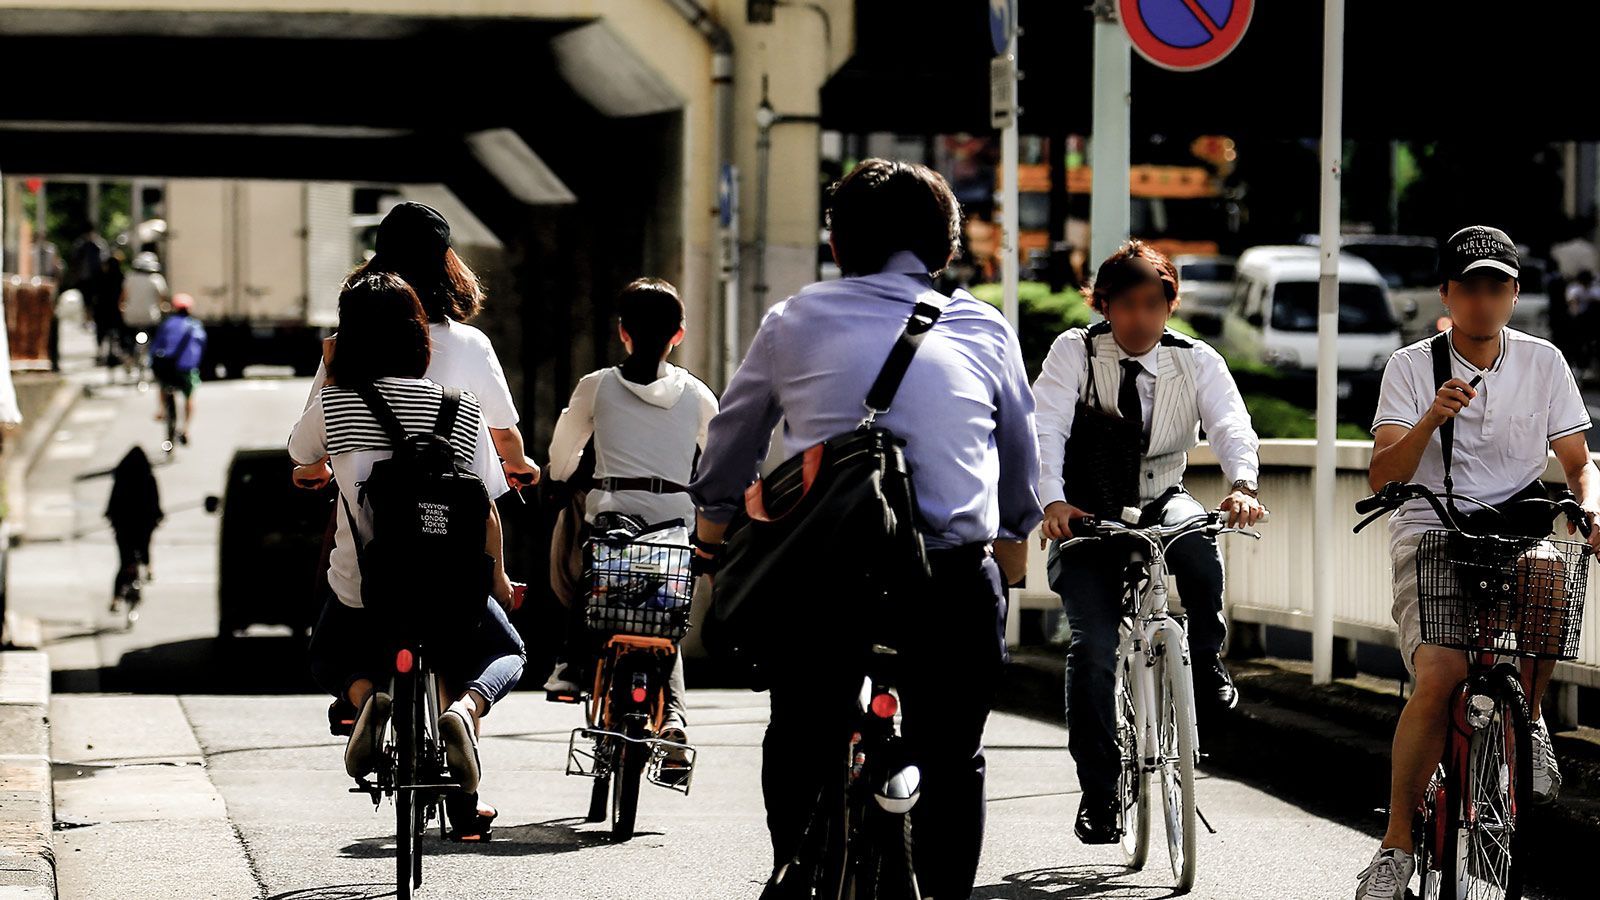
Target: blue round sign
[[1002, 19], [1185, 34]]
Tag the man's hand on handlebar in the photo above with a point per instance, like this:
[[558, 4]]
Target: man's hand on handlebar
[[1243, 510], [1592, 514], [1057, 518]]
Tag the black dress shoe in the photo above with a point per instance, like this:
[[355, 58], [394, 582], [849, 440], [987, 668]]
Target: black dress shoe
[[1097, 822], [1213, 686]]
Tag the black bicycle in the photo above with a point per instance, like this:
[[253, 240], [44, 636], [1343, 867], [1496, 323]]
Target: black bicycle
[[411, 769], [858, 844], [1495, 597]]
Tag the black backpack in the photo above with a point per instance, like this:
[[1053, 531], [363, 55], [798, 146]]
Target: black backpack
[[424, 566]]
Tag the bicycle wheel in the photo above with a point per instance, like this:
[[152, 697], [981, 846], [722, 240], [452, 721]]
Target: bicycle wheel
[[1482, 838], [882, 867], [630, 758], [170, 401], [599, 794], [1427, 834], [1176, 732], [406, 858], [1133, 788]]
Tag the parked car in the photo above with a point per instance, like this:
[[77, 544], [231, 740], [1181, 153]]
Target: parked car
[[1205, 283], [1410, 268], [1272, 318], [270, 546]]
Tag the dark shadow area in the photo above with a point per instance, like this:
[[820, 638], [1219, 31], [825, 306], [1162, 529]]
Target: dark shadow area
[[533, 839], [339, 892], [1067, 882], [240, 665]]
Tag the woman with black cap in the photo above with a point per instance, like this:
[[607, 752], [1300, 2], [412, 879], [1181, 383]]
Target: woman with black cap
[[414, 243]]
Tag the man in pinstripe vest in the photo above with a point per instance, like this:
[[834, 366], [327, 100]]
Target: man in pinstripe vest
[[1172, 386]]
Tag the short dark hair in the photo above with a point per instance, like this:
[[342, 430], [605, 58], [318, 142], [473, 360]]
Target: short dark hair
[[383, 332], [446, 286], [885, 206], [1133, 264], [652, 312]]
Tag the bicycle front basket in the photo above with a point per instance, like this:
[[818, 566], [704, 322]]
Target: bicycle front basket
[[1511, 596], [638, 588]]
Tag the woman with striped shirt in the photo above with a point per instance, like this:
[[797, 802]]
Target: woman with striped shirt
[[384, 344]]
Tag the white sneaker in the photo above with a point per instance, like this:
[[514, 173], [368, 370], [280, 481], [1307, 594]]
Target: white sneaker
[[461, 744], [1387, 876], [366, 736], [560, 680], [1546, 774]]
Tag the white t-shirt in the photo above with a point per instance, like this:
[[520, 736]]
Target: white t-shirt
[[462, 358], [142, 303], [1526, 399], [337, 423]]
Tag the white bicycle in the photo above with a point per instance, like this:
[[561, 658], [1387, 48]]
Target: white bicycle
[[1156, 731]]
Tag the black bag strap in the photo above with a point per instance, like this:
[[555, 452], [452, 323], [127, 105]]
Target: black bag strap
[[390, 423], [1089, 395], [355, 535], [449, 405], [1440, 350], [904, 350]]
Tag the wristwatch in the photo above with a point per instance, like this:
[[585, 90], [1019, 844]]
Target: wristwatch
[[1246, 486]]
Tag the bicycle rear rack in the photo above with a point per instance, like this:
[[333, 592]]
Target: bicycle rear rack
[[582, 761]]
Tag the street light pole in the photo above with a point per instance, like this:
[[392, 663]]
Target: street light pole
[[1323, 532], [1010, 201]]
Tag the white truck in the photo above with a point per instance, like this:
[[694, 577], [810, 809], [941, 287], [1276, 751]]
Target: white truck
[[263, 261]]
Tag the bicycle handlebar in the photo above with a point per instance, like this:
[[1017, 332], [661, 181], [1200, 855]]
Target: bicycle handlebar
[[1396, 494], [1090, 528]]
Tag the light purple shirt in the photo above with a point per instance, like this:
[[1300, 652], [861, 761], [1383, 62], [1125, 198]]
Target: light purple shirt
[[964, 409]]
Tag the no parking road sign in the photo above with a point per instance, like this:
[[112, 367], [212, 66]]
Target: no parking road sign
[[1184, 35]]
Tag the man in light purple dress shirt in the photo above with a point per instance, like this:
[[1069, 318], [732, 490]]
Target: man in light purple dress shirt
[[966, 412]]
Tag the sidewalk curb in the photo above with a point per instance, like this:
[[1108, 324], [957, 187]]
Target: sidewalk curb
[[35, 439], [27, 798]]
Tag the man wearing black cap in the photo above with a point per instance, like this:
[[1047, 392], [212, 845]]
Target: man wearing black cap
[[1512, 398]]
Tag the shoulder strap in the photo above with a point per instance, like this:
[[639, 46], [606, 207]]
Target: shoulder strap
[[894, 368], [1440, 350], [449, 405], [390, 423]]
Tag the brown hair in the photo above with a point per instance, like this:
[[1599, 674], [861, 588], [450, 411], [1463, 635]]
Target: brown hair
[[1134, 263], [885, 206], [382, 332], [447, 287]]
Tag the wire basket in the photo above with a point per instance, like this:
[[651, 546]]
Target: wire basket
[[637, 588], [1510, 596]]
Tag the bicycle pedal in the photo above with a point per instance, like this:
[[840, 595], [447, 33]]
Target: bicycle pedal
[[562, 697]]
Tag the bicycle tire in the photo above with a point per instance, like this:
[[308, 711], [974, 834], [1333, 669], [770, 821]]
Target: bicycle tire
[[1483, 862], [169, 401], [1424, 837], [1133, 787], [625, 779], [403, 719], [1176, 729], [884, 869]]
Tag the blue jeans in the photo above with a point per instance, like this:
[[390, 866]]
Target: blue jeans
[[1090, 582], [345, 647]]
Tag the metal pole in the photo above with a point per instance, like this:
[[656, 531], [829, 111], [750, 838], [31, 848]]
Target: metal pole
[[765, 118], [1324, 530], [1109, 208], [1010, 203]]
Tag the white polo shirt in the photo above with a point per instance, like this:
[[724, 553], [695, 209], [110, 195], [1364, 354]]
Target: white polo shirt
[[1526, 399]]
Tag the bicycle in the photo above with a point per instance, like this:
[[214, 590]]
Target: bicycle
[[1156, 731], [639, 596], [1494, 597], [858, 843], [411, 768], [129, 593]]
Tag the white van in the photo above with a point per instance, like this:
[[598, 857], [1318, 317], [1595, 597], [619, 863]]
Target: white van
[[1272, 318]]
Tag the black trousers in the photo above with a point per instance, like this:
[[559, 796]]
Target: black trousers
[[950, 664]]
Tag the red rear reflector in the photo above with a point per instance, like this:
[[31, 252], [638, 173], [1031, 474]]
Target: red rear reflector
[[884, 706], [403, 661], [638, 695]]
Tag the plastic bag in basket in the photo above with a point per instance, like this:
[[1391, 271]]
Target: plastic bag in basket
[[649, 572]]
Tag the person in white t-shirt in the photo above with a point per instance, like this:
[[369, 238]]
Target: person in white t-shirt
[[386, 346], [1513, 400], [648, 419], [414, 243]]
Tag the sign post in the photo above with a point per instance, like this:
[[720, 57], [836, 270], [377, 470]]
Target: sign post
[[1003, 112]]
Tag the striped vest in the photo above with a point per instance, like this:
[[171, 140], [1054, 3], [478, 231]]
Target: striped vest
[[1175, 419]]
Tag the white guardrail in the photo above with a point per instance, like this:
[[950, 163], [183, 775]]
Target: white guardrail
[[1269, 581]]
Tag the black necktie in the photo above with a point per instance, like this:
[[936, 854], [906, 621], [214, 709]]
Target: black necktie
[[1128, 405]]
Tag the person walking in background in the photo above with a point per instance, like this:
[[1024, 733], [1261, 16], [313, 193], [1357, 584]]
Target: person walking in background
[[176, 351], [134, 511]]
